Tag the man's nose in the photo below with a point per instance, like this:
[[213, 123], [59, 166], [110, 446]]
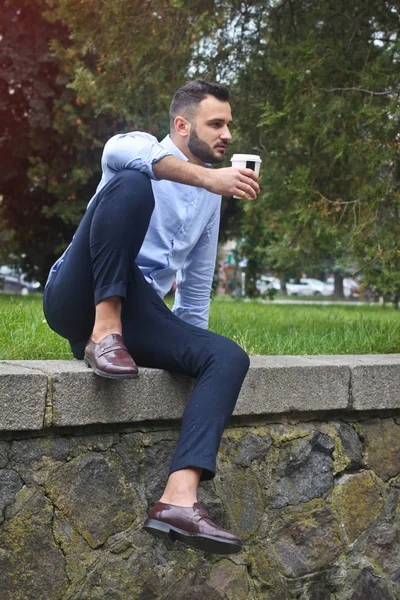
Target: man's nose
[[226, 134]]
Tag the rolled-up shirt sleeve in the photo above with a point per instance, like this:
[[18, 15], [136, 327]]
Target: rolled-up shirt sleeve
[[194, 279], [135, 150]]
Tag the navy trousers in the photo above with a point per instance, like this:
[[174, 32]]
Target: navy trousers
[[100, 264]]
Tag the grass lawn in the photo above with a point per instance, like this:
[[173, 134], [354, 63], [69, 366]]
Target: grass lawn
[[258, 328]]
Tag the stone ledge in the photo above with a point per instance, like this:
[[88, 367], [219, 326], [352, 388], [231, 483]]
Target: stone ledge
[[23, 393], [38, 394]]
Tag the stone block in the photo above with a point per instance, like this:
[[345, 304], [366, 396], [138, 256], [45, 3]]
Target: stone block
[[245, 450], [376, 382], [304, 471], [93, 493], [79, 397], [158, 459], [381, 439], [74, 503], [22, 397], [358, 500], [230, 580], [32, 566], [10, 484], [246, 506], [4, 449], [306, 539], [274, 385], [383, 547], [370, 586], [34, 459], [279, 384], [349, 455]]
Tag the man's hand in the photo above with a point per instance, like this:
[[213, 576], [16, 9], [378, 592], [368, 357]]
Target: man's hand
[[227, 182], [230, 181]]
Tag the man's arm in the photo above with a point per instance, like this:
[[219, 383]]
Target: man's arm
[[135, 150], [194, 279], [226, 182], [143, 152]]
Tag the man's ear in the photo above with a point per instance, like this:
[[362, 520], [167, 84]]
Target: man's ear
[[182, 126]]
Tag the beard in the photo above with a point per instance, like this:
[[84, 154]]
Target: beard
[[201, 149]]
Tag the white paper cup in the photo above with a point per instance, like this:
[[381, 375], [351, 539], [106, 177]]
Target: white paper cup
[[246, 161]]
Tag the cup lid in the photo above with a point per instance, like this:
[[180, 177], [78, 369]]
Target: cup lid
[[251, 157]]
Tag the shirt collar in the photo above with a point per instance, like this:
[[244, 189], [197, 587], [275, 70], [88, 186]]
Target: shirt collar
[[169, 145]]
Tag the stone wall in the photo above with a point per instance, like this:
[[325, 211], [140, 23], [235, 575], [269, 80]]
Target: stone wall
[[308, 475]]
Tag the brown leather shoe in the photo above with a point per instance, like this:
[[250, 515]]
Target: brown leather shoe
[[110, 358], [192, 526]]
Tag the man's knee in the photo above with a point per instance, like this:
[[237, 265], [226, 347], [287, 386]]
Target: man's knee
[[133, 181], [132, 175], [133, 178], [132, 188], [242, 359], [234, 354]]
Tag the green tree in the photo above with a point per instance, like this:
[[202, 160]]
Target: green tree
[[130, 56], [50, 141], [73, 75], [324, 75], [314, 91]]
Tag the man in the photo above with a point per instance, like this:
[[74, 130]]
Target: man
[[156, 213]]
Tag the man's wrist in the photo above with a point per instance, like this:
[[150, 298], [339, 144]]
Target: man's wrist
[[204, 176]]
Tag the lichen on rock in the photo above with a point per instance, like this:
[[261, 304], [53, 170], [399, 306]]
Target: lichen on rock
[[357, 500]]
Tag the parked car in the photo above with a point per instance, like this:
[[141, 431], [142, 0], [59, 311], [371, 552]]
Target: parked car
[[12, 282], [301, 288], [266, 283], [319, 288]]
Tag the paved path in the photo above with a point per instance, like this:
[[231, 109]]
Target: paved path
[[327, 302]]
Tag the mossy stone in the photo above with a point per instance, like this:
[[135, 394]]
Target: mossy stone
[[4, 449], [305, 538], [369, 586], [382, 447], [347, 454], [10, 484], [31, 564], [246, 449], [93, 493], [304, 471], [358, 501], [241, 493], [230, 580]]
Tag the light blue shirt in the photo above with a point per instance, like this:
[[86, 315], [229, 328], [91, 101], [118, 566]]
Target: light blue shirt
[[183, 232]]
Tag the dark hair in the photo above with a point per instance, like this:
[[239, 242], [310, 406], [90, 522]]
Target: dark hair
[[188, 97]]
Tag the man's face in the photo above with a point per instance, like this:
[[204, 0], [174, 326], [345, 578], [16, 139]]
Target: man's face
[[209, 132]]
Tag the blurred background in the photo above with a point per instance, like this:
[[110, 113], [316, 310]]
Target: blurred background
[[314, 90]]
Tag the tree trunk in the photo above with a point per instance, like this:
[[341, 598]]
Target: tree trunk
[[282, 289], [338, 291]]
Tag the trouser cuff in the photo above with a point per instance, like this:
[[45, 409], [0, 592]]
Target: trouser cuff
[[207, 473], [107, 291]]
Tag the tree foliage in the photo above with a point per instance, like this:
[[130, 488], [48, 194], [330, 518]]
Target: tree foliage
[[73, 75], [315, 92], [50, 141], [130, 56], [323, 76]]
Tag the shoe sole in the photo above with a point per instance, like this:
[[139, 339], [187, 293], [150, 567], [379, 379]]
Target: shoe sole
[[206, 543], [89, 364]]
